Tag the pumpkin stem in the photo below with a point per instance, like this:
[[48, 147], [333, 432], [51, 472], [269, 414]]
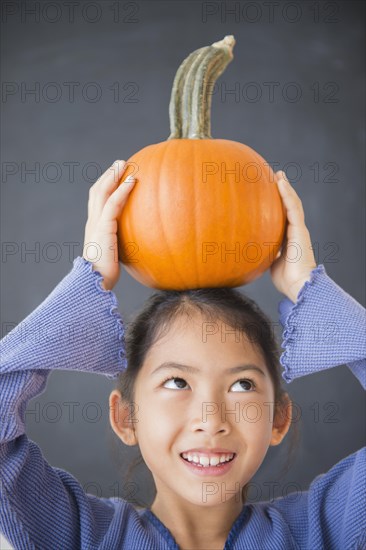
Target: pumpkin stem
[[190, 101]]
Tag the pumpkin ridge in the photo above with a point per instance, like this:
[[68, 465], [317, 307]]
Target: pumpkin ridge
[[165, 234], [195, 218]]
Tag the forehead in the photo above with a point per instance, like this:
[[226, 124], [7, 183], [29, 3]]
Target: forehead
[[197, 338]]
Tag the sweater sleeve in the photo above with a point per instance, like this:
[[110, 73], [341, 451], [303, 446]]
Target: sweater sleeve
[[76, 327], [326, 328]]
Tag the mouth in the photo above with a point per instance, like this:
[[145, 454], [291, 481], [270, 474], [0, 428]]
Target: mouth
[[208, 468]]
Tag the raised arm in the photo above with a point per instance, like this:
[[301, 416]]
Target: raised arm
[[77, 327], [323, 327]]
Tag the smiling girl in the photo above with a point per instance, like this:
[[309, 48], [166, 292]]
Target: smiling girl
[[189, 378]]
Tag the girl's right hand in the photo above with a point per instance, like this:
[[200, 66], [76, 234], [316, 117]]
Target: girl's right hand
[[290, 273], [106, 201]]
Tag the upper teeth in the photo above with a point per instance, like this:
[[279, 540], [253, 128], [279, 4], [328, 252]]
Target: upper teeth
[[207, 461]]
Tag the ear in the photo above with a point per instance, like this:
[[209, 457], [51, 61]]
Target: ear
[[121, 418], [282, 420]]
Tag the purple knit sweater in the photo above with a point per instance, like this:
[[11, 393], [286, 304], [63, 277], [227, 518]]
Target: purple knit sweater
[[45, 508]]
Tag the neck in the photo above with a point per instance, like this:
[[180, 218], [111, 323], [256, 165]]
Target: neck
[[196, 526]]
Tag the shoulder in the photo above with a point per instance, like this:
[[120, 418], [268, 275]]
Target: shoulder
[[319, 515]]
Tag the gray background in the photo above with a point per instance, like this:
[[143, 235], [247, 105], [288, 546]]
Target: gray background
[[321, 133]]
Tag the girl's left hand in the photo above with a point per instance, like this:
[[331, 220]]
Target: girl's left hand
[[296, 260], [107, 198]]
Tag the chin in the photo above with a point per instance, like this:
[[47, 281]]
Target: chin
[[208, 500]]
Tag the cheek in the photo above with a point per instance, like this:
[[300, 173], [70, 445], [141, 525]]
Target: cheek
[[157, 424], [157, 435], [256, 425]]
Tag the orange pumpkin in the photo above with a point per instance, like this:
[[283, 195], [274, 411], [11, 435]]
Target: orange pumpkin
[[204, 212]]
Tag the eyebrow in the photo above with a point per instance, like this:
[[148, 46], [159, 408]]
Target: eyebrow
[[194, 370]]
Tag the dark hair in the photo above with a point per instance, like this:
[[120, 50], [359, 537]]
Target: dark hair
[[229, 305]]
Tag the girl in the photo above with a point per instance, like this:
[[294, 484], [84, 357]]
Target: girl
[[183, 400]]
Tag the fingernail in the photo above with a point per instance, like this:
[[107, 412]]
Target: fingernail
[[130, 179]]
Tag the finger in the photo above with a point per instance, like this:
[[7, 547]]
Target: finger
[[287, 185], [102, 189], [284, 242], [112, 174], [297, 234], [107, 183], [114, 205], [292, 203]]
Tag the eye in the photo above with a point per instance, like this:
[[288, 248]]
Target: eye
[[174, 378], [245, 382]]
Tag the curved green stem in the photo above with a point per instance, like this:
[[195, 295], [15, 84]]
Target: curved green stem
[[190, 102]]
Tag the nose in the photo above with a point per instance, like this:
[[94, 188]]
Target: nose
[[211, 418]]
